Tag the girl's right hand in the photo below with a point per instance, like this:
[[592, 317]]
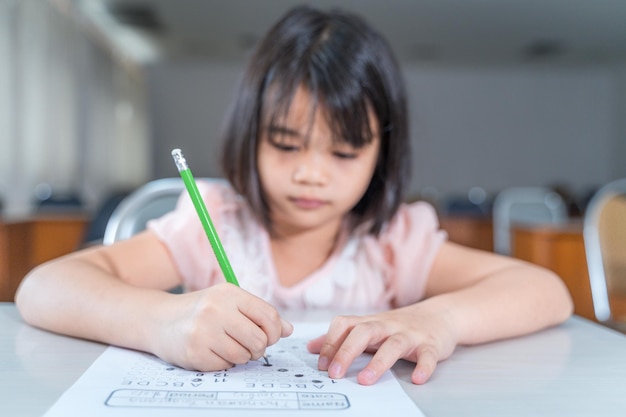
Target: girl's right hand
[[215, 328]]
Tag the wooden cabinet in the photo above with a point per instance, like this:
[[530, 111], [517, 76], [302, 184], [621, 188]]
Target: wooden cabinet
[[562, 250], [475, 232], [26, 243]]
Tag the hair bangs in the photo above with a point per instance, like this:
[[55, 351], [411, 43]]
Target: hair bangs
[[347, 112], [342, 99]]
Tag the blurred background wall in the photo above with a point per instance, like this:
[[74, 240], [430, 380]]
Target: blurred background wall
[[94, 94]]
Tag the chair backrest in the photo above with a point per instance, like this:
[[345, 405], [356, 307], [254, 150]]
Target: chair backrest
[[149, 201], [525, 205], [604, 233]]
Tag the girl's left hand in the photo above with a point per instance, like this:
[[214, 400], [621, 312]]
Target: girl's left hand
[[409, 333]]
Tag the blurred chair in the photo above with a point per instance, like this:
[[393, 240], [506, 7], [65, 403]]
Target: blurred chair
[[148, 202], [525, 205], [604, 233], [95, 231]]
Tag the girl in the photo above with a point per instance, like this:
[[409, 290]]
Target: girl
[[317, 155]]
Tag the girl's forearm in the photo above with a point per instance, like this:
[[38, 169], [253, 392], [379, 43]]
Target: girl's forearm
[[77, 298], [511, 302]]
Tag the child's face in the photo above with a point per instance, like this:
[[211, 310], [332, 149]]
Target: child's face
[[308, 179]]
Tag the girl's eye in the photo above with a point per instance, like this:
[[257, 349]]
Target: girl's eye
[[285, 147], [345, 155]]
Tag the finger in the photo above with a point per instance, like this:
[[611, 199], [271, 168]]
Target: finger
[[337, 333], [249, 336], [212, 362], [393, 348], [427, 358], [207, 361], [315, 345], [231, 350], [210, 354], [355, 343], [264, 315], [287, 328]]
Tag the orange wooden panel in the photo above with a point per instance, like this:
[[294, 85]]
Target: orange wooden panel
[[4, 263], [54, 237], [562, 250], [27, 243], [475, 232], [13, 257]]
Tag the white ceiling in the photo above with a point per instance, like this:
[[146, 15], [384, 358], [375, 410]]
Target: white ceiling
[[436, 31]]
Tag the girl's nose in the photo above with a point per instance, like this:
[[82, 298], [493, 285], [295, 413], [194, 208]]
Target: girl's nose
[[310, 172]]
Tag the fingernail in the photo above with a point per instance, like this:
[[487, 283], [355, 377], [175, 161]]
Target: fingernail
[[367, 375], [335, 370], [287, 325], [322, 363], [419, 377]]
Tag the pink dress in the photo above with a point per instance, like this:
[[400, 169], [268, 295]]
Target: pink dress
[[363, 272]]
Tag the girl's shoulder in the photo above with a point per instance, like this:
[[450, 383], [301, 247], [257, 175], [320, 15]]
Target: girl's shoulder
[[407, 246], [222, 203], [217, 193], [411, 219]]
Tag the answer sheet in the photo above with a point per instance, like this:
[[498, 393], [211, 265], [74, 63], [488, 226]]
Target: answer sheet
[[124, 382]]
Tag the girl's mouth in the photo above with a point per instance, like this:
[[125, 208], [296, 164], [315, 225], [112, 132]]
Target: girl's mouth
[[308, 203]]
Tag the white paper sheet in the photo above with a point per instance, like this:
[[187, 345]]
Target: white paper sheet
[[123, 383]]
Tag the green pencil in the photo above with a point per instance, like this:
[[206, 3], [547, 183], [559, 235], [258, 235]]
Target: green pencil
[[205, 219]]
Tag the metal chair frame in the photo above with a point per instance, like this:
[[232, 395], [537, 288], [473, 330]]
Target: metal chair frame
[[593, 248], [533, 204]]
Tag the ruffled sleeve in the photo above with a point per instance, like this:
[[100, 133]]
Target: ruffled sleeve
[[181, 232], [412, 240]]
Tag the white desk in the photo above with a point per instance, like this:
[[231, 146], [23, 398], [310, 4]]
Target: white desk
[[577, 369]]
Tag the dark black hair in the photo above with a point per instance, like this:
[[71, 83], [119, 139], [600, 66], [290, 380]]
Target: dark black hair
[[350, 70]]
